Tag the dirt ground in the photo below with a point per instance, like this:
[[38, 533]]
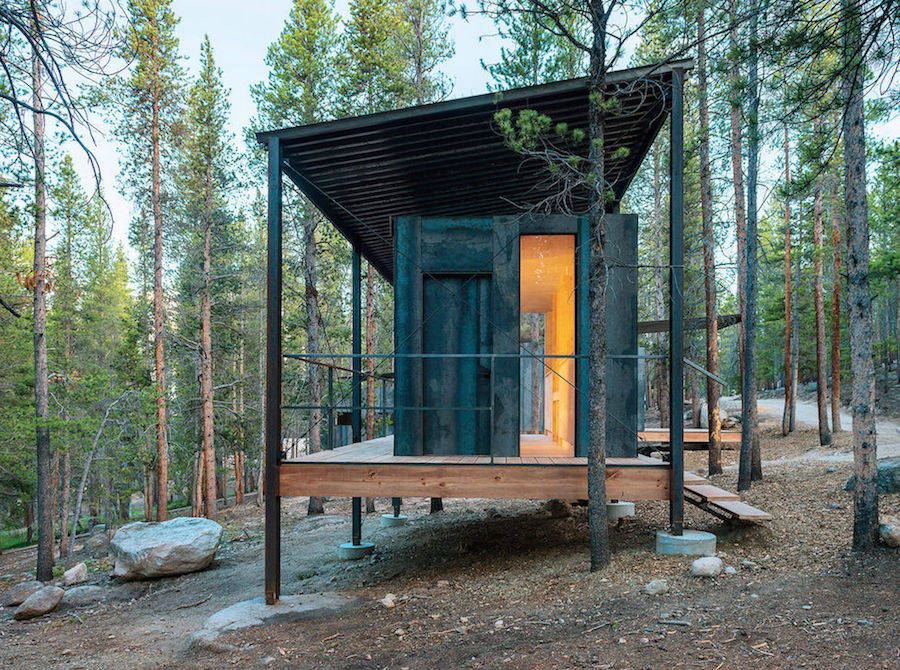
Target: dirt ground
[[491, 584]]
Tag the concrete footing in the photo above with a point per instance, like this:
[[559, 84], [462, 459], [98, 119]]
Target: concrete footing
[[391, 521], [353, 552], [690, 543], [616, 511]]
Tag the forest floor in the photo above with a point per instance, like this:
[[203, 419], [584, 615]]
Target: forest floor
[[502, 584]]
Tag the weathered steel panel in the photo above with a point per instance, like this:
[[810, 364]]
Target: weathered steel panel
[[621, 335], [505, 317], [407, 336]]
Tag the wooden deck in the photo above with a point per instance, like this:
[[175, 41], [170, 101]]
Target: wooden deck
[[691, 436], [370, 469]]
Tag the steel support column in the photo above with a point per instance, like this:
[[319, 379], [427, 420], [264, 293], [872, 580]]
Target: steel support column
[[356, 521], [273, 377], [355, 395], [676, 300]]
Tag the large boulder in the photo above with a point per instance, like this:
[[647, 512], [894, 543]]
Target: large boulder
[[38, 603], [888, 476], [708, 566], [142, 550], [16, 595]]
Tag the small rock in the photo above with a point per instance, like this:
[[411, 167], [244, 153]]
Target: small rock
[[749, 565], [75, 574], [268, 660], [889, 531], [558, 509], [707, 566], [40, 602], [389, 600], [835, 506], [441, 583], [399, 632], [81, 596], [806, 607], [16, 595], [730, 570], [621, 640], [498, 623], [656, 587], [830, 470]]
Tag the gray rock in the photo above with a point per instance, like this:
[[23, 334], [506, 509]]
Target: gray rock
[[707, 566], [97, 541], [82, 596], [889, 531], [656, 587], [75, 574], [558, 509], [142, 550], [256, 613], [38, 603], [888, 476], [16, 595], [730, 570]]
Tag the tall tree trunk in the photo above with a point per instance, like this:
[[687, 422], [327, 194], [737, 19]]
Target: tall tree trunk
[[836, 308], [862, 372], [148, 494], [897, 330], [206, 372], [41, 386], [786, 423], [162, 457], [64, 503], [370, 350], [662, 376], [749, 409], [596, 448], [740, 220], [239, 415], [819, 308], [795, 338], [313, 339], [370, 364]]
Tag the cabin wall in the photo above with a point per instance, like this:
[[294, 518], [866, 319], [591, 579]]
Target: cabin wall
[[457, 291]]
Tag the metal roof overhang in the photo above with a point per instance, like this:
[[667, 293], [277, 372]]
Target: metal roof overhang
[[448, 158]]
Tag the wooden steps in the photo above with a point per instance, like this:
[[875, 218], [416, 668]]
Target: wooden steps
[[720, 503], [691, 436]]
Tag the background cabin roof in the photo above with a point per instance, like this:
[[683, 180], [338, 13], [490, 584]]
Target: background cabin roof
[[448, 158]]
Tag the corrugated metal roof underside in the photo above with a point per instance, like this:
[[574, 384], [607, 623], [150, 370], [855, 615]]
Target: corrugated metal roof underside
[[449, 159]]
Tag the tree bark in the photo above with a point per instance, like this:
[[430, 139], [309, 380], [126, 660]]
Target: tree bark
[[596, 447], [714, 423], [41, 385], [786, 422], [64, 503], [897, 330], [239, 416], [836, 308], [162, 458], [208, 448], [313, 339], [818, 306], [740, 219], [749, 408], [865, 495], [662, 376]]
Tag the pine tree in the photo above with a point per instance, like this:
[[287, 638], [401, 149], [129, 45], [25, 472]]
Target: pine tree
[[535, 55], [147, 100], [424, 46], [204, 177], [299, 90]]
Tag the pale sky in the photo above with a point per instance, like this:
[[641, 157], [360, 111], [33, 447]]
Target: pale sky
[[240, 33]]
